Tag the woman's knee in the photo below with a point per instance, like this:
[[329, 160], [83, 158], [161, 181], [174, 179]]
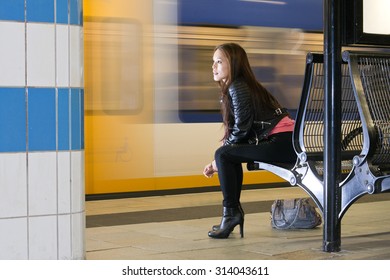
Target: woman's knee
[[220, 152]]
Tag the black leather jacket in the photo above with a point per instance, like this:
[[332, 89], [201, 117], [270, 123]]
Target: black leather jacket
[[243, 127]]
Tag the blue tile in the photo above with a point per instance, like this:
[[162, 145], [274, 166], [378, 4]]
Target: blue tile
[[41, 119], [62, 11], [12, 10], [82, 117], [12, 120], [76, 12], [63, 119], [40, 10], [76, 119]]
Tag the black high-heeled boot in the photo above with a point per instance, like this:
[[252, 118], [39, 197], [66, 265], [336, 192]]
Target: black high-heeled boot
[[216, 227], [230, 219]]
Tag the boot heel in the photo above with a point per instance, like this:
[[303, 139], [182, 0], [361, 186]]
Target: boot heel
[[242, 229]]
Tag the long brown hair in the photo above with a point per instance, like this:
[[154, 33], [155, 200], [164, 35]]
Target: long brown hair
[[240, 69]]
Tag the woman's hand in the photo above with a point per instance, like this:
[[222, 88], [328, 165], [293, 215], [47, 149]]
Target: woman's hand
[[210, 169]]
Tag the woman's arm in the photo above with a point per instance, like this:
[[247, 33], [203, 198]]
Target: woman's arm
[[241, 103]]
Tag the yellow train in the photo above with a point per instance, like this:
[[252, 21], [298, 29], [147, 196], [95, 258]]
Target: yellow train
[[151, 107]]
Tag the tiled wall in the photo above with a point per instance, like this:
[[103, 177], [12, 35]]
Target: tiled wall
[[41, 130]]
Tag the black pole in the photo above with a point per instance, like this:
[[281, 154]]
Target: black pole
[[332, 158]]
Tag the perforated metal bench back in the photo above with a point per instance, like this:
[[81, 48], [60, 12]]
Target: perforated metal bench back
[[309, 130], [371, 74]]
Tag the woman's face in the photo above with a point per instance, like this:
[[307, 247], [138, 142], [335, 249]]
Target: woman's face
[[220, 66]]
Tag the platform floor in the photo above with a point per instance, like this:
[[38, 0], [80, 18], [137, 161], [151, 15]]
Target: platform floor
[[174, 227]]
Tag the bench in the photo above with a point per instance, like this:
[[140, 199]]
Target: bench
[[370, 74], [365, 130]]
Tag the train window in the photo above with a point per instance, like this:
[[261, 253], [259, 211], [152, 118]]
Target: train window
[[112, 66], [198, 93], [199, 99]]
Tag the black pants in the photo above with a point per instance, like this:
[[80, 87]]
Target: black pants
[[277, 148]]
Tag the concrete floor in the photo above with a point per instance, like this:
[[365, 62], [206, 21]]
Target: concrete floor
[[174, 227]]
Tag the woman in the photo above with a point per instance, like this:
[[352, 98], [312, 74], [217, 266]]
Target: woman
[[256, 128]]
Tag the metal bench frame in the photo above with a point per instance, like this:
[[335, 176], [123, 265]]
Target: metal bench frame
[[365, 130], [370, 75]]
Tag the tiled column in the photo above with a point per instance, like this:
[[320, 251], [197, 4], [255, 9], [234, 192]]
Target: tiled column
[[42, 212]]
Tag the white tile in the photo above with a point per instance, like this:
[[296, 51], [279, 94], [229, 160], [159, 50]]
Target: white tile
[[62, 55], [78, 236], [77, 179], [12, 54], [76, 56], [13, 239], [64, 237], [40, 55], [43, 238], [64, 183], [13, 183], [42, 183]]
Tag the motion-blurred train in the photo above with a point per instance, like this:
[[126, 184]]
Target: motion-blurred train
[[152, 111]]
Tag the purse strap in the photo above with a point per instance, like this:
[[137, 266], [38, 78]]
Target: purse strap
[[295, 218]]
